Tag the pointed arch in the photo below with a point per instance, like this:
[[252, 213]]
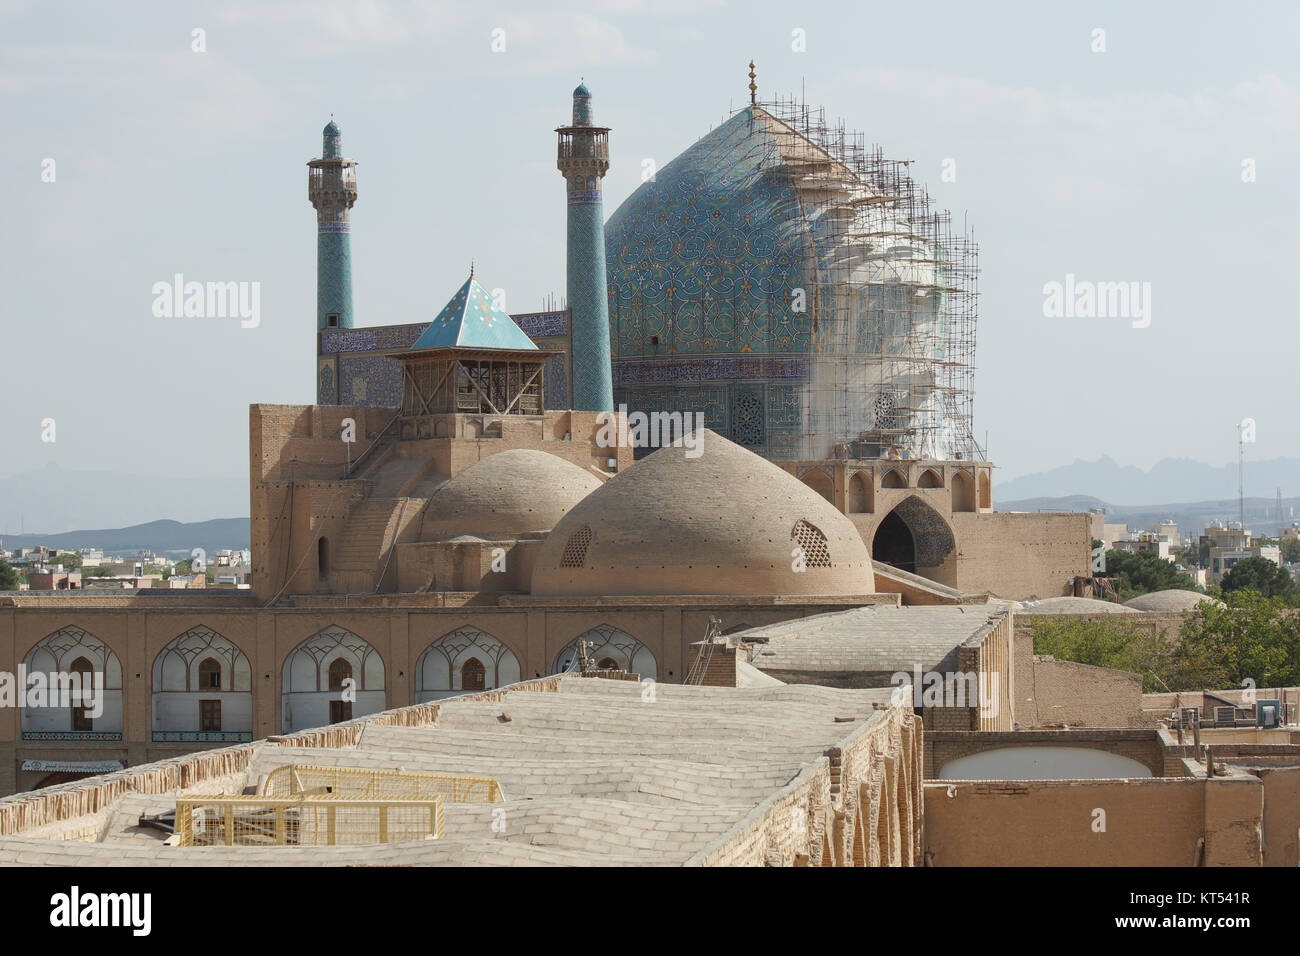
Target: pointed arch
[[63, 716], [473, 675], [986, 490], [915, 537], [963, 491], [608, 642], [202, 690], [862, 494], [894, 479], [929, 479], [312, 689], [441, 669]]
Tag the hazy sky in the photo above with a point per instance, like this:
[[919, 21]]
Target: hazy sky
[[1123, 165]]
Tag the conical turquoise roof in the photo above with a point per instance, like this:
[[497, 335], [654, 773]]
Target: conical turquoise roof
[[472, 321]]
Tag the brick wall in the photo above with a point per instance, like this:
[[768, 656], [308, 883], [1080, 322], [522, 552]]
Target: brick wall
[[1055, 693], [1021, 556], [1156, 822]]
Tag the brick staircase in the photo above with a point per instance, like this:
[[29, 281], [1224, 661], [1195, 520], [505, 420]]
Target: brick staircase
[[399, 490], [363, 545]]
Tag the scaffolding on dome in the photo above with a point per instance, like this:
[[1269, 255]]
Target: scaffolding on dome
[[893, 303]]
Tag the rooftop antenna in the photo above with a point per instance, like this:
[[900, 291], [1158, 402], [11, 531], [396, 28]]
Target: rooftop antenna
[[1241, 475]]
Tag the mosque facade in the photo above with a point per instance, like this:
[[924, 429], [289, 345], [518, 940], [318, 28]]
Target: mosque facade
[[451, 514]]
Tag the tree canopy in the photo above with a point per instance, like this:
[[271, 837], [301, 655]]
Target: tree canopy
[[1141, 572], [1260, 575], [1250, 637]]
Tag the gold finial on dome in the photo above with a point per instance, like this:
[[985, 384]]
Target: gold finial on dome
[[753, 87]]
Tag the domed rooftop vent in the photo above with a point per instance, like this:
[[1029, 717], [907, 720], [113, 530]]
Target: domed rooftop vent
[[1170, 601], [506, 495], [722, 522]]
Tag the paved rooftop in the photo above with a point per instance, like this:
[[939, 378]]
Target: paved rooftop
[[875, 639], [592, 774]]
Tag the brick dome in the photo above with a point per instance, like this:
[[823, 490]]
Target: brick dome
[[506, 495], [725, 522]]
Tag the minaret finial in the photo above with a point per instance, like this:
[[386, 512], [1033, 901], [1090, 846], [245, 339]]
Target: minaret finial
[[753, 87], [471, 268]]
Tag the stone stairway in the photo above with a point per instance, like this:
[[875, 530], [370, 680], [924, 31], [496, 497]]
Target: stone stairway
[[363, 545]]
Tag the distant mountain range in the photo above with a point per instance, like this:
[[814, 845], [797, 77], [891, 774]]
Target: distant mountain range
[[53, 499], [1171, 479], [160, 537], [1190, 516]]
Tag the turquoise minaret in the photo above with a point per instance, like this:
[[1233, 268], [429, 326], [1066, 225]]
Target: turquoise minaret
[[583, 160], [332, 188]]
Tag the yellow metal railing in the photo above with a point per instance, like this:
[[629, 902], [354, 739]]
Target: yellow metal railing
[[305, 821], [358, 783]]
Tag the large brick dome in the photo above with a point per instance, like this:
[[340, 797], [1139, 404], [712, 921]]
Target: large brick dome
[[725, 522]]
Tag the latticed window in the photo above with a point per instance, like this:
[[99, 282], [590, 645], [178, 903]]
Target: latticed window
[[575, 549], [473, 675], [812, 542], [209, 675], [340, 670]]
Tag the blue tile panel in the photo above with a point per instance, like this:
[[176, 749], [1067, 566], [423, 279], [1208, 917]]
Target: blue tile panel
[[538, 324], [326, 392], [703, 266], [471, 319], [333, 274], [370, 339], [369, 379]]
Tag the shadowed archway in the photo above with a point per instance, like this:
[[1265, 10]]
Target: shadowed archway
[[894, 544], [914, 537]]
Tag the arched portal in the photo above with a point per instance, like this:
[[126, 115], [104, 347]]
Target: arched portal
[[332, 676], [202, 690], [609, 643], [463, 661], [63, 711], [861, 494], [894, 544], [963, 492], [914, 537]]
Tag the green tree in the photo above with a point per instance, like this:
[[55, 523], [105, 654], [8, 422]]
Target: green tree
[[1248, 637], [1112, 641], [1290, 550], [9, 576], [69, 560], [1260, 575], [1140, 572]]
